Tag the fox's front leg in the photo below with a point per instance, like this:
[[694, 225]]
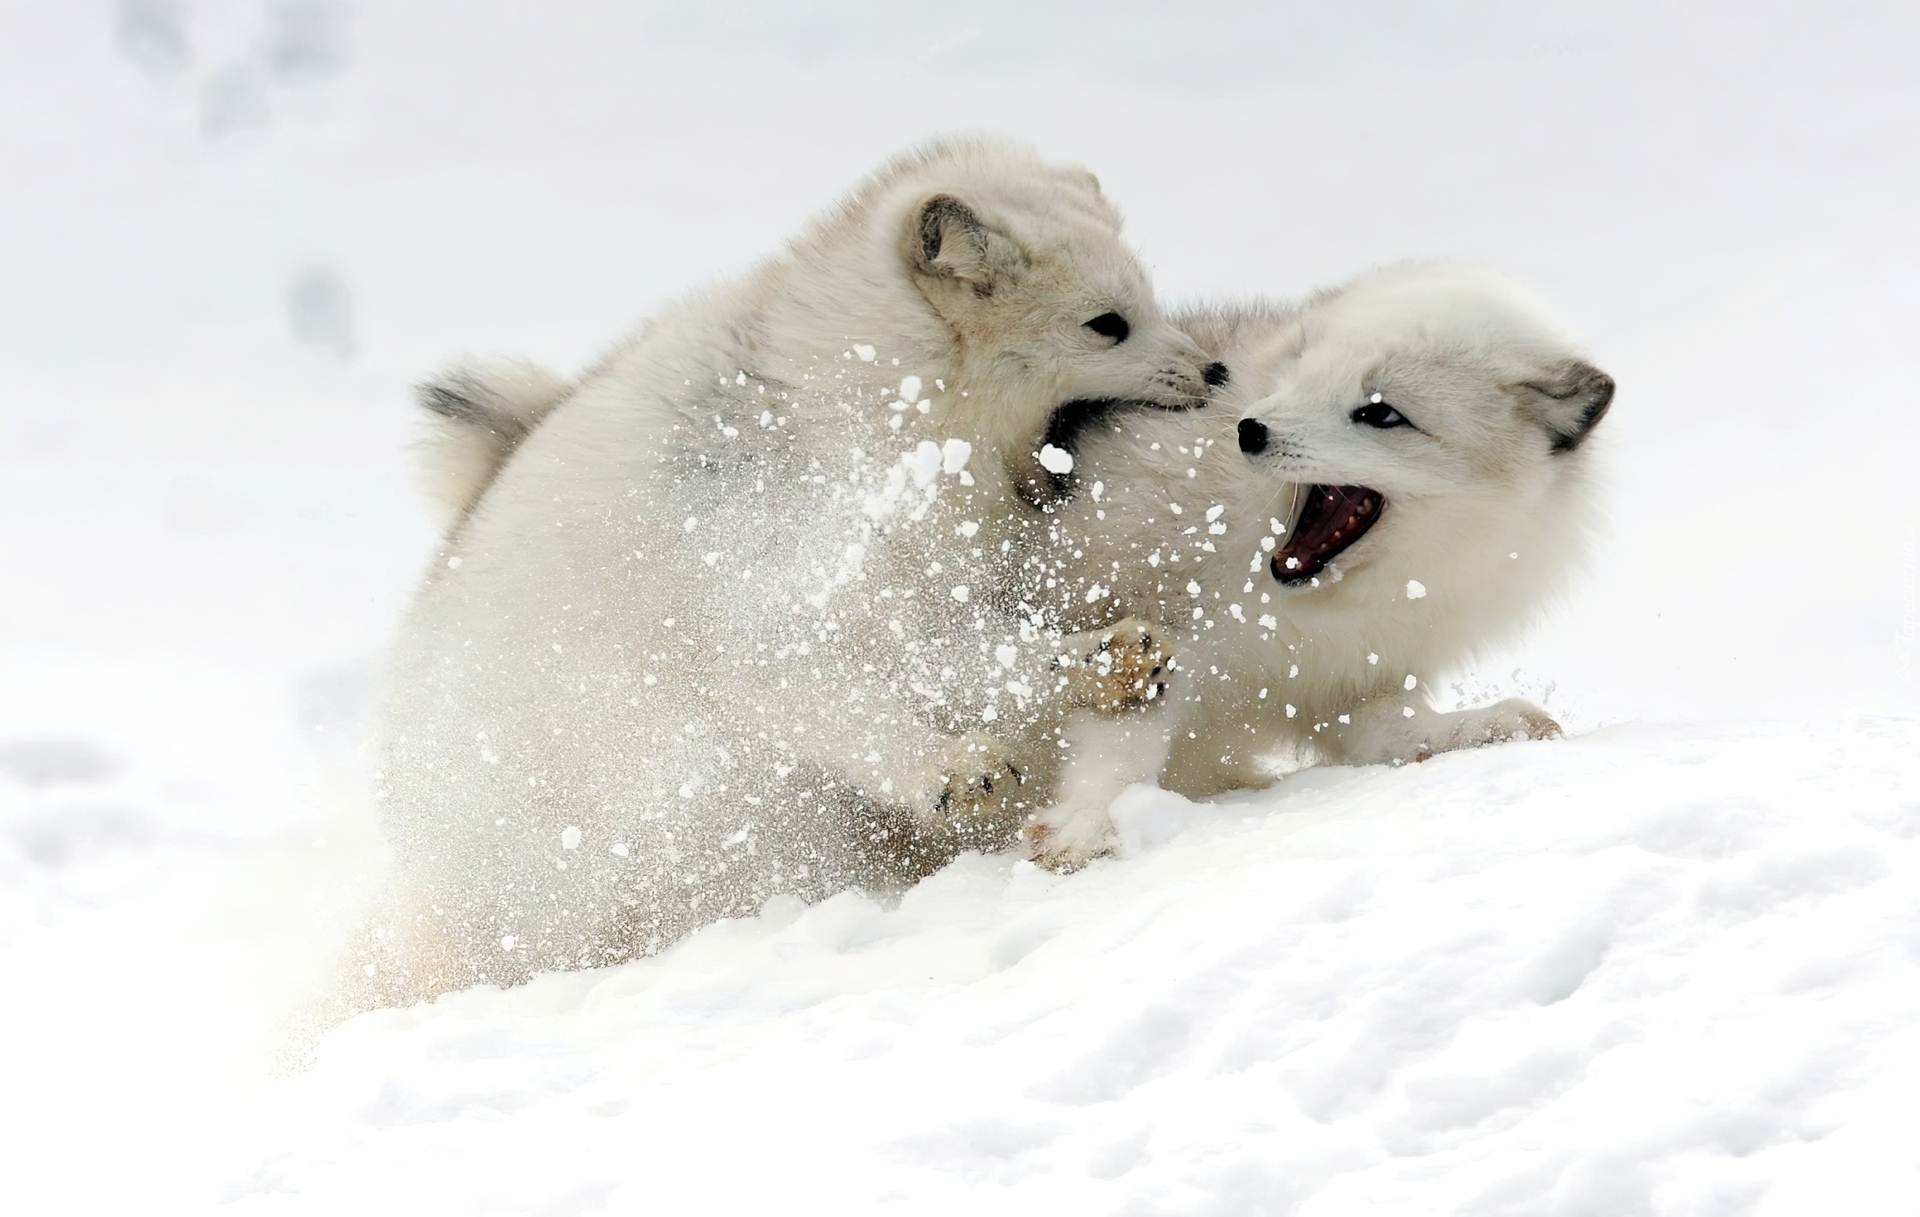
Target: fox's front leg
[[1104, 755], [1103, 678], [1389, 729]]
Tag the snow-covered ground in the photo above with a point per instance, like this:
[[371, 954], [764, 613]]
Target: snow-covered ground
[[1668, 965]]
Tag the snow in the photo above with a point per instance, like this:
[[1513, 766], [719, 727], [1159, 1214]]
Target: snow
[[954, 455], [924, 462], [1448, 987], [1664, 965]]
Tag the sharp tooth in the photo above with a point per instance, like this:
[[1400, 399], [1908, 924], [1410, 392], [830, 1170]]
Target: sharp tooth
[[1366, 507]]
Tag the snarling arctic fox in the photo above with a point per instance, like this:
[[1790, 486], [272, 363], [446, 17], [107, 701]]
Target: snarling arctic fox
[[1396, 477], [728, 618]]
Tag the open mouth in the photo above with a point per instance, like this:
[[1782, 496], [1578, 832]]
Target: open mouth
[[1071, 419], [1334, 518]]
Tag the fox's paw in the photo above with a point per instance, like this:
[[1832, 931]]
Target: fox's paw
[[978, 790], [1503, 722], [1063, 839], [1117, 668]]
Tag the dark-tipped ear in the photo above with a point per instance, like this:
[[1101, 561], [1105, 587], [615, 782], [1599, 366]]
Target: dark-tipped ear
[[1086, 178], [947, 240], [1570, 402]]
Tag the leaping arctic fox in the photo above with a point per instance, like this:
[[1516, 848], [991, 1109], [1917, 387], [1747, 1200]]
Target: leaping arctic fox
[[1396, 477], [728, 618]]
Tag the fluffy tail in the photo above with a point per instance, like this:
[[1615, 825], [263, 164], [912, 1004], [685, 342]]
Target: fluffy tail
[[478, 411]]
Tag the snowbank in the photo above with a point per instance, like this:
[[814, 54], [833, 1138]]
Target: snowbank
[[1646, 970]]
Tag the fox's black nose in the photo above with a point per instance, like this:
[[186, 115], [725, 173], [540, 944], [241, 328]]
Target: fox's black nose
[[1253, 436], [1214, 374]]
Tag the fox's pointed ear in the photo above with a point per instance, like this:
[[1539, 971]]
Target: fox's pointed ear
[[1569, 402], [946, 241]]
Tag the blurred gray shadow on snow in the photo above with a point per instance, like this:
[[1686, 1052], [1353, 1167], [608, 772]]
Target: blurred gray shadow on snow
[[234, 99], [153, 33], [320, 311], [306, 39], [61, 837], [55, 762], [53, 834], [1204, 46], [304, 42]]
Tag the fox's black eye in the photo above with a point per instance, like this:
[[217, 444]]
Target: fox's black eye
[[1111, 325], [1377, 413]]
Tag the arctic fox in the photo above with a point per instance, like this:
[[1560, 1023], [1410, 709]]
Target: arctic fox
[[727, 619], [1396, 477]]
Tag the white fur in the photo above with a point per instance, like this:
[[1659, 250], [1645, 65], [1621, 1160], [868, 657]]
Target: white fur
[[1320, 671], [729, 623]]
